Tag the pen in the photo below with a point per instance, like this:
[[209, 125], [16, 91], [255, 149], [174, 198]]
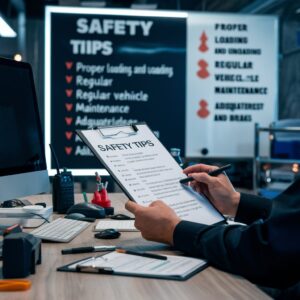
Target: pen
[[10, 285], [85, 197], [88, 249], [211, 173], [144, 254]]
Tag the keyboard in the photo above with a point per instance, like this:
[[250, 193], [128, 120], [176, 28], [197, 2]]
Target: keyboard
[[60, 230]]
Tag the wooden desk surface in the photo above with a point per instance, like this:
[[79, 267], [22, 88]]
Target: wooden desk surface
[[47, 283]]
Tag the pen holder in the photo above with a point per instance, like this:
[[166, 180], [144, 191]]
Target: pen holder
[[97, 198], [101, 198], [105, 202]]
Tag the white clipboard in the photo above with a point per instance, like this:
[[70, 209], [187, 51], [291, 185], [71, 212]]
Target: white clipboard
[[113, 263], [146, 171]]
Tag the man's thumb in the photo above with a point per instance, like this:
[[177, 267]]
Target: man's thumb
[[131, 206]]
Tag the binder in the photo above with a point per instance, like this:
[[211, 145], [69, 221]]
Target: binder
[[118, 149], [174, 268]]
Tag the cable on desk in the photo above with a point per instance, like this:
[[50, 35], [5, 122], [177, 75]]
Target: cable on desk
[[40, 216]]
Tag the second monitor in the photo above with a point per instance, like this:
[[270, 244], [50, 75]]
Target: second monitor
[[23, 169]]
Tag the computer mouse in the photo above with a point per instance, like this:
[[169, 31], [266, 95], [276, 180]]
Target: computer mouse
[[121, 217], [75, 216], [87, 209], [106, 234]]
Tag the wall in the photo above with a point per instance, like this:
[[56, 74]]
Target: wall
[[289, 99]]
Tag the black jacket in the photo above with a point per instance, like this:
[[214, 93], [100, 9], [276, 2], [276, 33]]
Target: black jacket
[[266, 251]]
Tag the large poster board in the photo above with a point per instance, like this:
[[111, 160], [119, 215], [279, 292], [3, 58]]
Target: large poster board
[[232, 84], [110, 68], [200, 81]]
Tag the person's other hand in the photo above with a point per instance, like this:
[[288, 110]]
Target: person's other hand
[[218, 189], [156, 222]]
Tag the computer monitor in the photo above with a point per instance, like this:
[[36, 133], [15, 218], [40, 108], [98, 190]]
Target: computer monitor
[[23, 170]]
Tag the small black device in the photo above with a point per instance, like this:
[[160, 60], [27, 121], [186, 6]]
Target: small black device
[[121, 217], [21, 252], [88, 209], [80, 217], [62, 188], [107, 234], [75, 216], [15, 203]]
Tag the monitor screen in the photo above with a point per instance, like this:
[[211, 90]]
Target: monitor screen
[[21, 147]]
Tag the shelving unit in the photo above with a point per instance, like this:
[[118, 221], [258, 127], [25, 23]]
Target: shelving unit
[[258, 160]]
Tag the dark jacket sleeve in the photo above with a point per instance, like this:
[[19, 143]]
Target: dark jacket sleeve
[[252, 208], [266, 252]]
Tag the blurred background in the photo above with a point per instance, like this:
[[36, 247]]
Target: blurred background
[[26, 18]]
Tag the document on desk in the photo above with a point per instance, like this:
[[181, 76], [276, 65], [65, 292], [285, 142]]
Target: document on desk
[[120, 225], [146, 171], [174, 267]]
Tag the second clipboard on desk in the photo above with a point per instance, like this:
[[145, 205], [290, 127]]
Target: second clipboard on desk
[[114, 263]]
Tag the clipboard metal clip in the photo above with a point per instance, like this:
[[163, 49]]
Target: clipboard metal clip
[[121, 133], [94, 269]]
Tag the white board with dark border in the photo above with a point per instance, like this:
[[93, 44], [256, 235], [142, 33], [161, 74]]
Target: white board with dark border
[[197, 79]]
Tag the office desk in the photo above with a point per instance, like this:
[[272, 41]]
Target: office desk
[[47, 283]]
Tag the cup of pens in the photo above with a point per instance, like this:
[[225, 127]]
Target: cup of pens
[[101, 196]]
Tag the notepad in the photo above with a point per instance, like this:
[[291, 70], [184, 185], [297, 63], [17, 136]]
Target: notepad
[[120, 225], [175, 267]]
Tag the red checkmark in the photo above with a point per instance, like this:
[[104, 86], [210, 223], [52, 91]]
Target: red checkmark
[[69, 79], [69, 106], [69, 93], [69, 65], [68, 120], [68, 134], [68, 150]]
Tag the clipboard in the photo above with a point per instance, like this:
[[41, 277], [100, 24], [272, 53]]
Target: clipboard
[[110, 144], [131, 131], [186, 266]]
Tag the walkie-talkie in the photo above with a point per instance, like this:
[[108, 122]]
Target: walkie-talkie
[[62, 188]]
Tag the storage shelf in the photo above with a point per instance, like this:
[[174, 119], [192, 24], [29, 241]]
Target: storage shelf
[[277, 160], [258, 160]]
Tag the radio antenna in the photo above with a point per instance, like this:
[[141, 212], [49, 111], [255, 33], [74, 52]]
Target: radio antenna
[[55, 159]]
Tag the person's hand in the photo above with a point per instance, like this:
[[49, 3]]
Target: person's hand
[[218, 190], [156, 222]]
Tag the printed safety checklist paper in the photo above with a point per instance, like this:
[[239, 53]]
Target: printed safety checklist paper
[[172, 268], [146, 171]]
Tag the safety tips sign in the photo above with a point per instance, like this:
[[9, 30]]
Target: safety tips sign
[[200, 81], [231, 82], [110, 69]]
